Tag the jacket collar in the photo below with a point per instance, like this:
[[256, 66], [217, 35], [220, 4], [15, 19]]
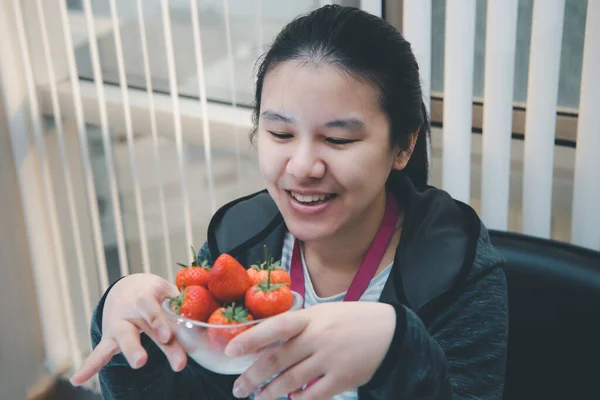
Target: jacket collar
[[435, 252]]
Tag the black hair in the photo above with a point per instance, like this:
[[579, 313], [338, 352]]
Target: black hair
[[369, 49]]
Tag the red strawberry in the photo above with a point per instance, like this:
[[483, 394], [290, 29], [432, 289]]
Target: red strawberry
[[267, 299], [277, 276], [196, 274], [231, 315], [228, 279], [195, 302], [258, 273]]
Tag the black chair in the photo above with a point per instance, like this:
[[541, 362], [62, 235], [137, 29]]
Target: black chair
[[554, 305]]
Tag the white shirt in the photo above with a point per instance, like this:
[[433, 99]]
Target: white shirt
[[372, 293]]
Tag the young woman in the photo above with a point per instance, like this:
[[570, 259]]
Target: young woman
[[404, 295]]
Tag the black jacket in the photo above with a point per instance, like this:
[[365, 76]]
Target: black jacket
[[446, 285]]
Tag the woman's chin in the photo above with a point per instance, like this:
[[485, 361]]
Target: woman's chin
[[310, 231]]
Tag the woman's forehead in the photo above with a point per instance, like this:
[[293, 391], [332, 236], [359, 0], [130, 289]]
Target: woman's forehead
[[298, 90]]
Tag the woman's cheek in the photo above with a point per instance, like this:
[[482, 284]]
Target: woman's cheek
[[270, 163]]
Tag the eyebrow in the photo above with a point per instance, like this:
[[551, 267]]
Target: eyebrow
[[273, 116], [350, 124]]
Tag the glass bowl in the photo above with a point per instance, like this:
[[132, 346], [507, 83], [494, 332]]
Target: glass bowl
[[205, 343]]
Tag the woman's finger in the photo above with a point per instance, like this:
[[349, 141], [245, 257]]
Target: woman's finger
[[323, 389], [172, 350], [275, 360], [101, 355], [275, 329], [291, 380], [152, 313], [128, 338]]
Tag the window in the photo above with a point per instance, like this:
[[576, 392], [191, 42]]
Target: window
[[252, 24]]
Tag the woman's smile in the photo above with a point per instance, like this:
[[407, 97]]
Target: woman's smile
[[310, 203]]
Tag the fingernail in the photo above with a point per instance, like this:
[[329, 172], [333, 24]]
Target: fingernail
[[136, 360], [234, 350], [177, 363], [239, 390], [163, 334]]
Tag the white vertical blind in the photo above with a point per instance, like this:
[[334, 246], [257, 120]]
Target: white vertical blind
[[458, 94], [84, 150], [106, 139], [258, 9], [540, 122], [139, 207], [174, 93], [586, 196], [231, 59], [416, 28], [40, 195], [203, 102], [501, 35], [372, 6], [155, 145], [65, 167], [48, 186]]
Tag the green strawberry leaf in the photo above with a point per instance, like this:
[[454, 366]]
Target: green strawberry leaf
[[176, 302], [235, 313], [194, 257], [267, 287]]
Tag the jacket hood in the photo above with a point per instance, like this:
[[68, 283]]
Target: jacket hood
[[443, 244], [439, 246]]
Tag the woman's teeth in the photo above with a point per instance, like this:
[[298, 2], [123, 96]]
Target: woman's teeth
[[311, 198]]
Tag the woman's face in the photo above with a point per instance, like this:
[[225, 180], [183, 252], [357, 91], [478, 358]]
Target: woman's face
[[323, 148]]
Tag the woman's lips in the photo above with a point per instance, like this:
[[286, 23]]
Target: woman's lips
[[310, 204]]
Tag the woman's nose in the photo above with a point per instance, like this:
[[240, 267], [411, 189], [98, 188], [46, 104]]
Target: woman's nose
[[305, 163]]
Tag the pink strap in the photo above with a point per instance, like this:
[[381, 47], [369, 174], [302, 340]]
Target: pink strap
[[369, 265]]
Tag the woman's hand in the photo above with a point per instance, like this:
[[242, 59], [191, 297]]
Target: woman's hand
[[133, 306], [341, 344]]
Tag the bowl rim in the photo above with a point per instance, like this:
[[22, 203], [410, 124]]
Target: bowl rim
[[296, 305]]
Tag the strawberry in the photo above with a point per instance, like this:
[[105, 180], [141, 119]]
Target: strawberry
[[228, 279], [195, 274], [267, 299], [258, 273], [230, 315], [195, 302], [277, 276]]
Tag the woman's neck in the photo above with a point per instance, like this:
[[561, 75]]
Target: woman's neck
[[346, 250]]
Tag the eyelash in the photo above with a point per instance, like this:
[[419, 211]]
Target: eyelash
[[334, 141], [340, 142], [281, 136]]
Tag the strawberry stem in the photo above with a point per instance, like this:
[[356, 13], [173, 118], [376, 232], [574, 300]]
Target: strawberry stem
[[266, 256], [194, 256], [266, 285]]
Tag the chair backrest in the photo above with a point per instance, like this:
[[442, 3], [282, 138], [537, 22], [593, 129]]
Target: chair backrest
[[554, 306]]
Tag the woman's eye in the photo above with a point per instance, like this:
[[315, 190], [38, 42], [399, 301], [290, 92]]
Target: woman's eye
[[338, 141], [280, 135]]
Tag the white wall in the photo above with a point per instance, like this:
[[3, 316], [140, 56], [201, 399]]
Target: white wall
[[21, 348]]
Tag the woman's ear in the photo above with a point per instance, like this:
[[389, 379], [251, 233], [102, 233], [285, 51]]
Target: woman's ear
[[401, 157]]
